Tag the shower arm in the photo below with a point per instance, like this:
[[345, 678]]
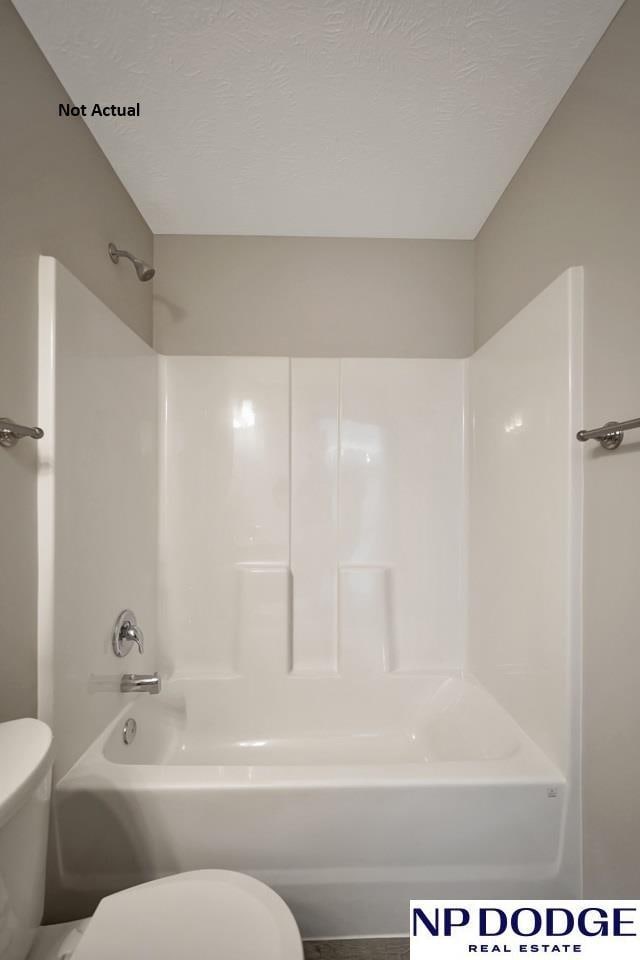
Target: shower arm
[[611, 434]]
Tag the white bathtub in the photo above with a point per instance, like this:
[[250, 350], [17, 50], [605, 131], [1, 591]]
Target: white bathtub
[[347, 796]]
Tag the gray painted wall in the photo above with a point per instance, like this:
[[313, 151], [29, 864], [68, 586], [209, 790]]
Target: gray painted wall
[[58, 196], [313, 297], [576, 200]]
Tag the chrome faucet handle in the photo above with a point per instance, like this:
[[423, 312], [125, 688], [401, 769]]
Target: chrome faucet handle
[[126, 633], [134, 634]]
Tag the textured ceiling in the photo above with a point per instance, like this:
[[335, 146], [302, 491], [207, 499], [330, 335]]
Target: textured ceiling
[[377, 118]]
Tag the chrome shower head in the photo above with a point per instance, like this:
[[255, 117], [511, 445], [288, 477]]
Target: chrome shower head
[[144, 271]]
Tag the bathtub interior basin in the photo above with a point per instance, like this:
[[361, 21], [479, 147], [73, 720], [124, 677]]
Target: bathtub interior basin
[[299, 721]]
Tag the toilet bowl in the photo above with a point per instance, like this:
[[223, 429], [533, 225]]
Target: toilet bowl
[[204, 913]]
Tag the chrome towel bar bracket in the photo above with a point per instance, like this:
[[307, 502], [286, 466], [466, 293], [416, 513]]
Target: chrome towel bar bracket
[[11, 432], [611, 434]]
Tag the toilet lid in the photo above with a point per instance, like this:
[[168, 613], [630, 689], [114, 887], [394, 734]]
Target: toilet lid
[[200, 915]]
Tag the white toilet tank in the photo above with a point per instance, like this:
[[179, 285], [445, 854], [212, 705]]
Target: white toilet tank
[[25, 788]]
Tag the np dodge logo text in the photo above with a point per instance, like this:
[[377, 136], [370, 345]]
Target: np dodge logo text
[[528, 922], [450, 930]]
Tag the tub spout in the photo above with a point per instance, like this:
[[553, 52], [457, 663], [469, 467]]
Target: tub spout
[[140, 683]]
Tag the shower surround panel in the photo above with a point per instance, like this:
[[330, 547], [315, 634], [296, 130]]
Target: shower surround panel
[[329, 720], [312, 515], [525, 393], [97, 506]]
